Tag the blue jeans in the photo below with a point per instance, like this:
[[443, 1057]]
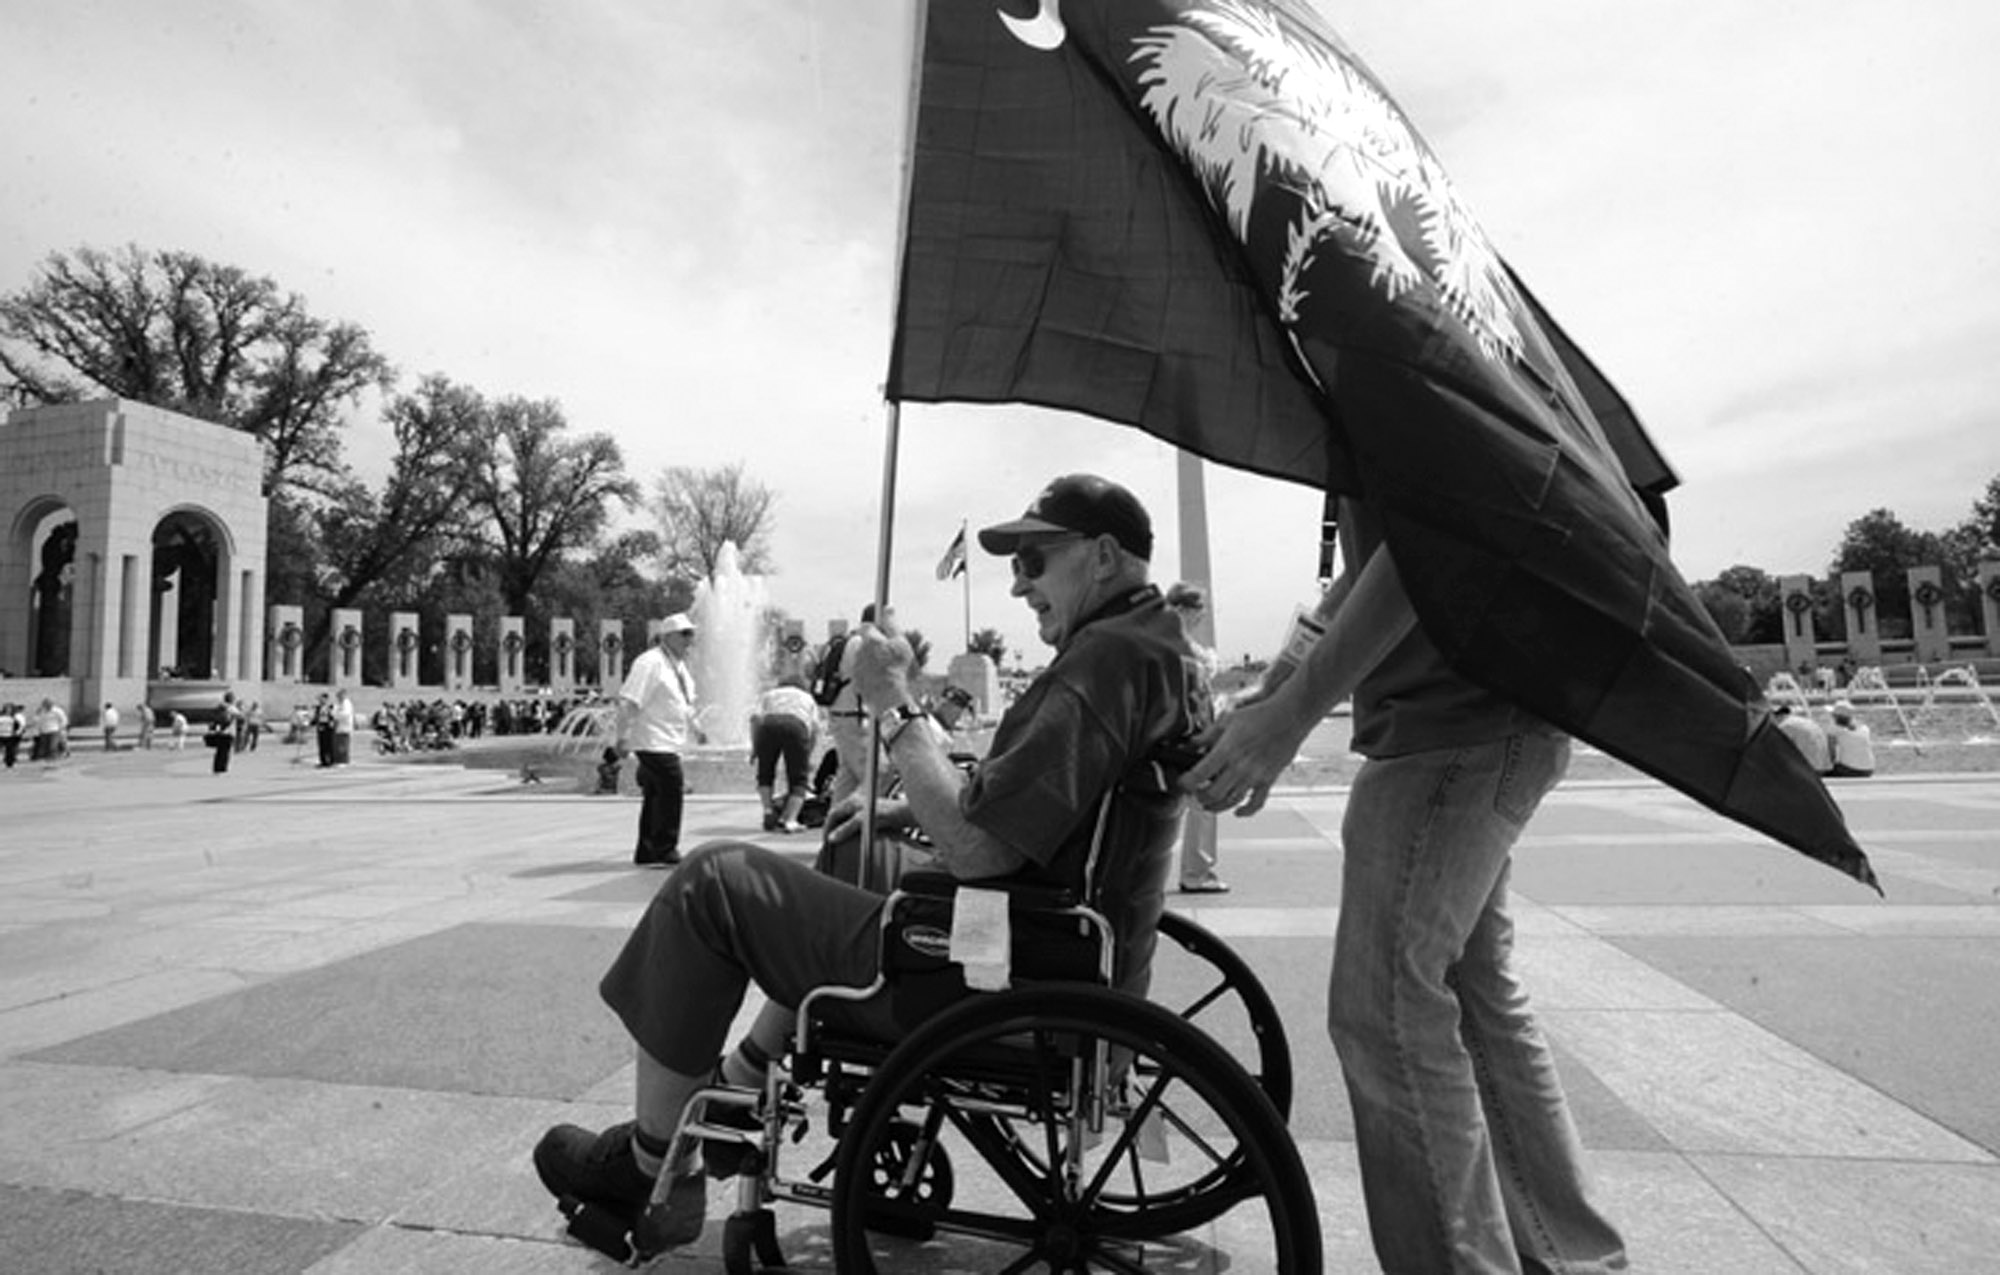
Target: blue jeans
[[1469, 1159]]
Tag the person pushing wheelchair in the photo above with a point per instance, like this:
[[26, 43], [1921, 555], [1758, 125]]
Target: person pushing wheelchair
[[1124, 684]]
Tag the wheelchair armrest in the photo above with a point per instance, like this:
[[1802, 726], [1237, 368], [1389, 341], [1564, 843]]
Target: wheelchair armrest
[[936, 883]]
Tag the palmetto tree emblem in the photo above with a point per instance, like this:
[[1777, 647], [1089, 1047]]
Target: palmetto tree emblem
[[1251, 109]]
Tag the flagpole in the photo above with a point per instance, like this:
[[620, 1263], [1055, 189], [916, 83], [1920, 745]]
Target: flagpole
[[871, 769], [965, 578]]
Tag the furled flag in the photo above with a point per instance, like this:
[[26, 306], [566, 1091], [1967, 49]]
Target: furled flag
[[953, 562], [1207, 219]]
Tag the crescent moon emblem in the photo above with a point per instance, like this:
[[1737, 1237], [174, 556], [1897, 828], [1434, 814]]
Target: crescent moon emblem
[[1044, 31]]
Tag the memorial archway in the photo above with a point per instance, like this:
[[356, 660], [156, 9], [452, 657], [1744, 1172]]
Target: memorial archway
[[134, 543], [182, 639], [45, 537]]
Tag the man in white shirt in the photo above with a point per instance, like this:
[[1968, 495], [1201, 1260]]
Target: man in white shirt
[[1850, 745], [656, 709]]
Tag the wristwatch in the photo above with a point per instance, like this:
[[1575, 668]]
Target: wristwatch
[[900, 718]]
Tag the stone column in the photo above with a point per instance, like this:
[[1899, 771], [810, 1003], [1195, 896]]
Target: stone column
[[1930, 629], [975, 673], [513, 655], [795, 657], [284, 655], [1864, 626], [1795, 609], [405, 649], [610, 655], [458, 652], [344, 659], [562, 655], [1989, 604]]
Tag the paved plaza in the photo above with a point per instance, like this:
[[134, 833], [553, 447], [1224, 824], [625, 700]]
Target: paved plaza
[[293, 1020]]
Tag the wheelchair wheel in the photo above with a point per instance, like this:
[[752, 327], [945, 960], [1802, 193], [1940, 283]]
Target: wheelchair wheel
[[1201, 978], [1179, 1155], [910, 1175]]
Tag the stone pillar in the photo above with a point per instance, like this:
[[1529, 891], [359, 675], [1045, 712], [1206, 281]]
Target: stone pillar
[[168, 653], [513, 655], [1930, 629], [458, 652], [344, 659], [610, 655], [1989, 604], [1795, 609], [562, 655], [975, 673], [795, 657], [405, 649], [285, 645], [1864, 626]]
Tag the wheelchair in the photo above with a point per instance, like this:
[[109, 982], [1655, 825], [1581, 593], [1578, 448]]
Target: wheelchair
[[1119, 1105]]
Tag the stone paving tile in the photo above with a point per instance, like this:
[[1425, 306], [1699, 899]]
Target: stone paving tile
[[1728, 1133], [1713, 1082], [1845, 1217], [75, 1232]]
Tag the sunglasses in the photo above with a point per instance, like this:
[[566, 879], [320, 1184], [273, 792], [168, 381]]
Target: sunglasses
[[1033, 559]]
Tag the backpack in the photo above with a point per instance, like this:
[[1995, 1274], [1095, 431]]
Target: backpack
[[827, 682]]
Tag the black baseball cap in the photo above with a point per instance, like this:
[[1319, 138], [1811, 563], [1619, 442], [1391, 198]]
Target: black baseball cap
[[1081, 503]]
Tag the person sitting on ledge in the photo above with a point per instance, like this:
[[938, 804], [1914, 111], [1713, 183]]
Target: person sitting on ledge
[[1849, 744], [1123, 682], [1806, 735]]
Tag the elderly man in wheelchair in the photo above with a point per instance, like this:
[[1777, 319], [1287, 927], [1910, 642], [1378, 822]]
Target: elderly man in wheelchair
[[1048, 862]]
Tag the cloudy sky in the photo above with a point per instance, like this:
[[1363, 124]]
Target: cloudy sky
[[1771, 223]]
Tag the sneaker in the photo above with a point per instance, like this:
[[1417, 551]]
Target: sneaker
[[594, 1168]]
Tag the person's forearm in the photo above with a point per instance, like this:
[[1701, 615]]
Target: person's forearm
[[931, 787]]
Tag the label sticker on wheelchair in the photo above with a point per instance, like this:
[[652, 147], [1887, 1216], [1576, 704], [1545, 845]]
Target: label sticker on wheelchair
[[980, 939]]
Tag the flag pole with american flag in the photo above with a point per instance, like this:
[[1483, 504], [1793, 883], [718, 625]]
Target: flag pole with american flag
[[955, 564]]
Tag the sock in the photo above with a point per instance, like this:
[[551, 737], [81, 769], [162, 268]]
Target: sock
[[648, 1152]]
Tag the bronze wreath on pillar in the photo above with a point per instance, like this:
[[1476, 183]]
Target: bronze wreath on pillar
[[1860, 599], [289, 636], [611, 643], [1927, 596], [461, 641], [513, 643], [350, 638], [406, 641], [1993, 588], [563, 643]]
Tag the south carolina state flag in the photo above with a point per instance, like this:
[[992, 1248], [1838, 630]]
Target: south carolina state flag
[[1206, 218]]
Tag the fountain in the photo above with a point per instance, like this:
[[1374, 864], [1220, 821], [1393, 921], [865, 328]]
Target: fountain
[[728, 656]]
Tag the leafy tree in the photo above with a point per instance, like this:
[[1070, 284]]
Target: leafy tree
[[542, 494], [1880, 543], [174, 330], [1729, 609], [395, 538], [990, 643], [1762, 618], [1985, 521], [700, 510]]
